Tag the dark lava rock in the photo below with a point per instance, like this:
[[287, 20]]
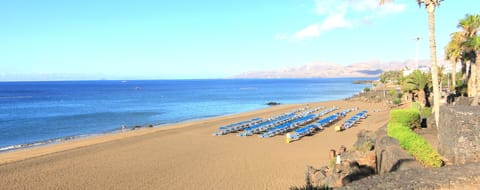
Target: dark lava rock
[[390, 156], [365, 141], [451, 177], [273, 103]]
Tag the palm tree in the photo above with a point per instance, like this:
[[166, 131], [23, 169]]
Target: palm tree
[[417, 82], [453, 52], [470, 26], [430, 6], [473, 43], [383, 80]]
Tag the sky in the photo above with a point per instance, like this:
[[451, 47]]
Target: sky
[[195, 39]]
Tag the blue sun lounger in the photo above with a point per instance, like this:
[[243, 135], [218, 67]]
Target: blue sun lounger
[[354, 119], [237, 126], [288, 126], [270, 124], [310, 129]]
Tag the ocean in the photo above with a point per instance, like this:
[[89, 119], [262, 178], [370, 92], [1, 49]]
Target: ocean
[[37, 113]]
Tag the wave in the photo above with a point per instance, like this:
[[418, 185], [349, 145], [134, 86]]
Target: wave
[[248, 88], [39, 143], [15, 97]]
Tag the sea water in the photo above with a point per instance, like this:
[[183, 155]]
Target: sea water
[[36, 113]]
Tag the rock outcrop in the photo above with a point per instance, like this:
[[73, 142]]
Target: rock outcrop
[[390, 156], [373, 153], [450, 177], [337, 175]]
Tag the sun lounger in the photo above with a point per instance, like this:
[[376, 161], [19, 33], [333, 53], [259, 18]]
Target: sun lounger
[[288, 126], [310, 129], [354, 119]]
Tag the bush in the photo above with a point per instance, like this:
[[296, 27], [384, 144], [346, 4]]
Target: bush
[[399, 95], [415, 145], [406, 117], [392, 92], [366, 89], [416, 106], [397, 101], [365, 147], [426, 112]]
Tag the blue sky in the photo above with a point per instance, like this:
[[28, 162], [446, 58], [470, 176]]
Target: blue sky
[[171, 39]]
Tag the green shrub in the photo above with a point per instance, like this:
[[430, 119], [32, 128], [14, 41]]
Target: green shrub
[[392, 92], [397, 101], [415, 145], [399, 95], [406, 117], [426, 112], [365, 147], [416, 106], [366, 89]]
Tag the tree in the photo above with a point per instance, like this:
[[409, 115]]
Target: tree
[[383, 80], [474, 44], [417, 82], [453, 53], [430, 6], [470, 26]]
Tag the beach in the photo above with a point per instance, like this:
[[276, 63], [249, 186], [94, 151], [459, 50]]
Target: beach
[[184, 156]]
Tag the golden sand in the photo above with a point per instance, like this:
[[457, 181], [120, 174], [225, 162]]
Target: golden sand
[[183, 156]]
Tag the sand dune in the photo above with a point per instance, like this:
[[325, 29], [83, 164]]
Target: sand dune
[[181, 156]]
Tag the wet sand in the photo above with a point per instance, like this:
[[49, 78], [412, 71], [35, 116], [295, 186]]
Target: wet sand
[[183, 156]]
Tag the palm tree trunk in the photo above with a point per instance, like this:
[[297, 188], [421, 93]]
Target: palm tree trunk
[[454, 76], [464, 71], [422, 98], [477, 76], [472, 88], [433, 61]]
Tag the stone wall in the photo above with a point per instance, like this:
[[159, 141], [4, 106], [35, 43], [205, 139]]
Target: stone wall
[[459, 133]]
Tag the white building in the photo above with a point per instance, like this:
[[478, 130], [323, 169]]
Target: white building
[[423, 69]]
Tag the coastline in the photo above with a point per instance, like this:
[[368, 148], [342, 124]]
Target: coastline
[[48, 142], [66, 143], [189, 147]]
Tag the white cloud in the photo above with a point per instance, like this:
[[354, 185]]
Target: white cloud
[[334, 21], [310, 31], [337, 14]]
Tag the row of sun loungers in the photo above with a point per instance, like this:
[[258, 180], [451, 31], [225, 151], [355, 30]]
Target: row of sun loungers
[[351, 121], [288, 126], [267, 125], [258, 125], [296, 123], [277, 121], [312, 110], [324, 112], [254, 122], [237, 126], [310, 129], [283, 123]]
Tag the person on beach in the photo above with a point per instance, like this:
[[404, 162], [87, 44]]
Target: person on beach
[[123, 128]]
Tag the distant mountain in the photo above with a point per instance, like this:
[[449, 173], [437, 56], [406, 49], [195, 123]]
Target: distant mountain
[[331, 70]]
